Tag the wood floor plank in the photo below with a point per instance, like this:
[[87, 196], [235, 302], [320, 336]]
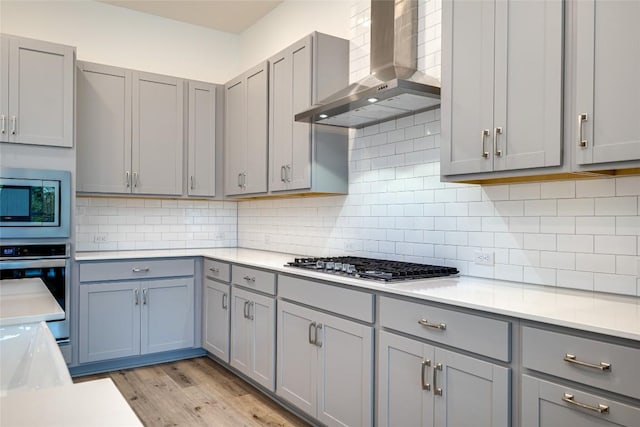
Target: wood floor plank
[[196, 392]]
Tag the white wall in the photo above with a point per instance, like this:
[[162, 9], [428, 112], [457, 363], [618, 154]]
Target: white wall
[[116, 36], [289, 22]]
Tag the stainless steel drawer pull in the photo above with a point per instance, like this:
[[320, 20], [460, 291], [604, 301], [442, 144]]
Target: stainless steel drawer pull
[[423, 372], [140, 270], [485, 133], [571, 358], [249, 279], [312, 327], [601, 409], [318, 328], [425, 322], [582, 142], [224, 301], [3, 128], [436, 390], [214, 270]]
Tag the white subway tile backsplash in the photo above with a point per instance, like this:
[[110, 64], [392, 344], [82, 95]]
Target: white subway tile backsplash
[[540, 276], [509, 208], [616, 206], [558, 190], [557, 224], [628, 265], [619, 245], [524, 224], [627, 225], [596, 262], [545, 242], [574, 243], [615, 283], [628, 186], [595, 225], [575, 279], [575, 207], [540, 208], [563, 260], [524, 191], [596, 188]]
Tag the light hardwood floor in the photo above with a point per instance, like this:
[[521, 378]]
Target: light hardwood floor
[[195, 392]]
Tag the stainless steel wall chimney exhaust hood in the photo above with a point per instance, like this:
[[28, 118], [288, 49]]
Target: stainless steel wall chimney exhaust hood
[[395, 88]]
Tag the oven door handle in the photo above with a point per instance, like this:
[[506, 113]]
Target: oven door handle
[[33, 263]]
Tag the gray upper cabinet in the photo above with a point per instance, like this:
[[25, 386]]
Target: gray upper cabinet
[[103, 129], [311, 158], [130, 131], [607, 85], [36, 92], [501, 87], [245, 142], [157, 141], [201, 139]]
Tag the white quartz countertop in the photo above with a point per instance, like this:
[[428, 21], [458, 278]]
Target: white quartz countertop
[[27, 301], [590, 311], [93, 403]]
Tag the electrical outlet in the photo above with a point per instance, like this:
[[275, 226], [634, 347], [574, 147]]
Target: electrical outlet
[[100, 238], [483, 258]]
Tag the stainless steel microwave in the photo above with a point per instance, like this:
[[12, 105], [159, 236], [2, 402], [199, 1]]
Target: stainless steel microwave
[[34, 203]]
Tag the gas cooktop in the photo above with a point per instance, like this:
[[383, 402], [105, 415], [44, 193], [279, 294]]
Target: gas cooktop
[[370, 268]]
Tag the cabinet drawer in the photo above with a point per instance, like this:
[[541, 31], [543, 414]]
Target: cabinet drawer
[[251, 278], [347, 302], [481, 335], [135, 269], [217, 270], [550, 352]]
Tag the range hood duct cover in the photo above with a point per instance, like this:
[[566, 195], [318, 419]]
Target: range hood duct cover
[[395, 87]]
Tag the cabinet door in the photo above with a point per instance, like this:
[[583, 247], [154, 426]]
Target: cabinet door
[[167, 315], [240, 352], [404, 371], [262, 314], [467, 86], [157, 134], [473, 392], [297, 357], [546, 404], [290, 141], [345, 372], [235, 141], [215, 333], [41, 93], [202, 140], [109, 321], [608, 88], [103, 129], [256, 122], [527, 130]]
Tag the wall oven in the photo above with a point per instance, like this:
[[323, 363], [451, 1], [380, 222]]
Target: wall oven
[[48, 262], [34, 203]]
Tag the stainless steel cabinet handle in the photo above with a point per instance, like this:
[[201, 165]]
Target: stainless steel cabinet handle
[[601, 409], [497, 131], [224, 301], [145, 296], [140, 270], [312, 327], [251, 310], [3, 128], [136, 296], [249, 278], [127, 177], [423, 372], [192, 186], [485, 133], [244, 180], [245, 311], [14, 125], [282, 173], [240, 180], [318, 328], [288, 173], [602, 366], [436, 390], [425, 322], [582, 142], [135, 179], [214, 270]]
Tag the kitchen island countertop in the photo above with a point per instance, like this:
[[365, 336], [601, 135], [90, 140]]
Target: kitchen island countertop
[[608, 314]]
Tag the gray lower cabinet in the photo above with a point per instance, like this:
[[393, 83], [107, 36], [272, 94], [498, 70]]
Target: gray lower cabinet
[[119, 319], [502, 88], [216, 317], [548, 404], [246, 135], [325, 365], [130, 131], [607, 83], [36, 92], [424, 385], [303, 156], [253, 336]]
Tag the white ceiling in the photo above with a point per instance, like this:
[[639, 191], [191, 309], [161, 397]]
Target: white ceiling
[[222, 15]]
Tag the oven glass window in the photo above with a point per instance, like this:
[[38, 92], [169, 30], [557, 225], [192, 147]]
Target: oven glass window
[[53, 278]]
